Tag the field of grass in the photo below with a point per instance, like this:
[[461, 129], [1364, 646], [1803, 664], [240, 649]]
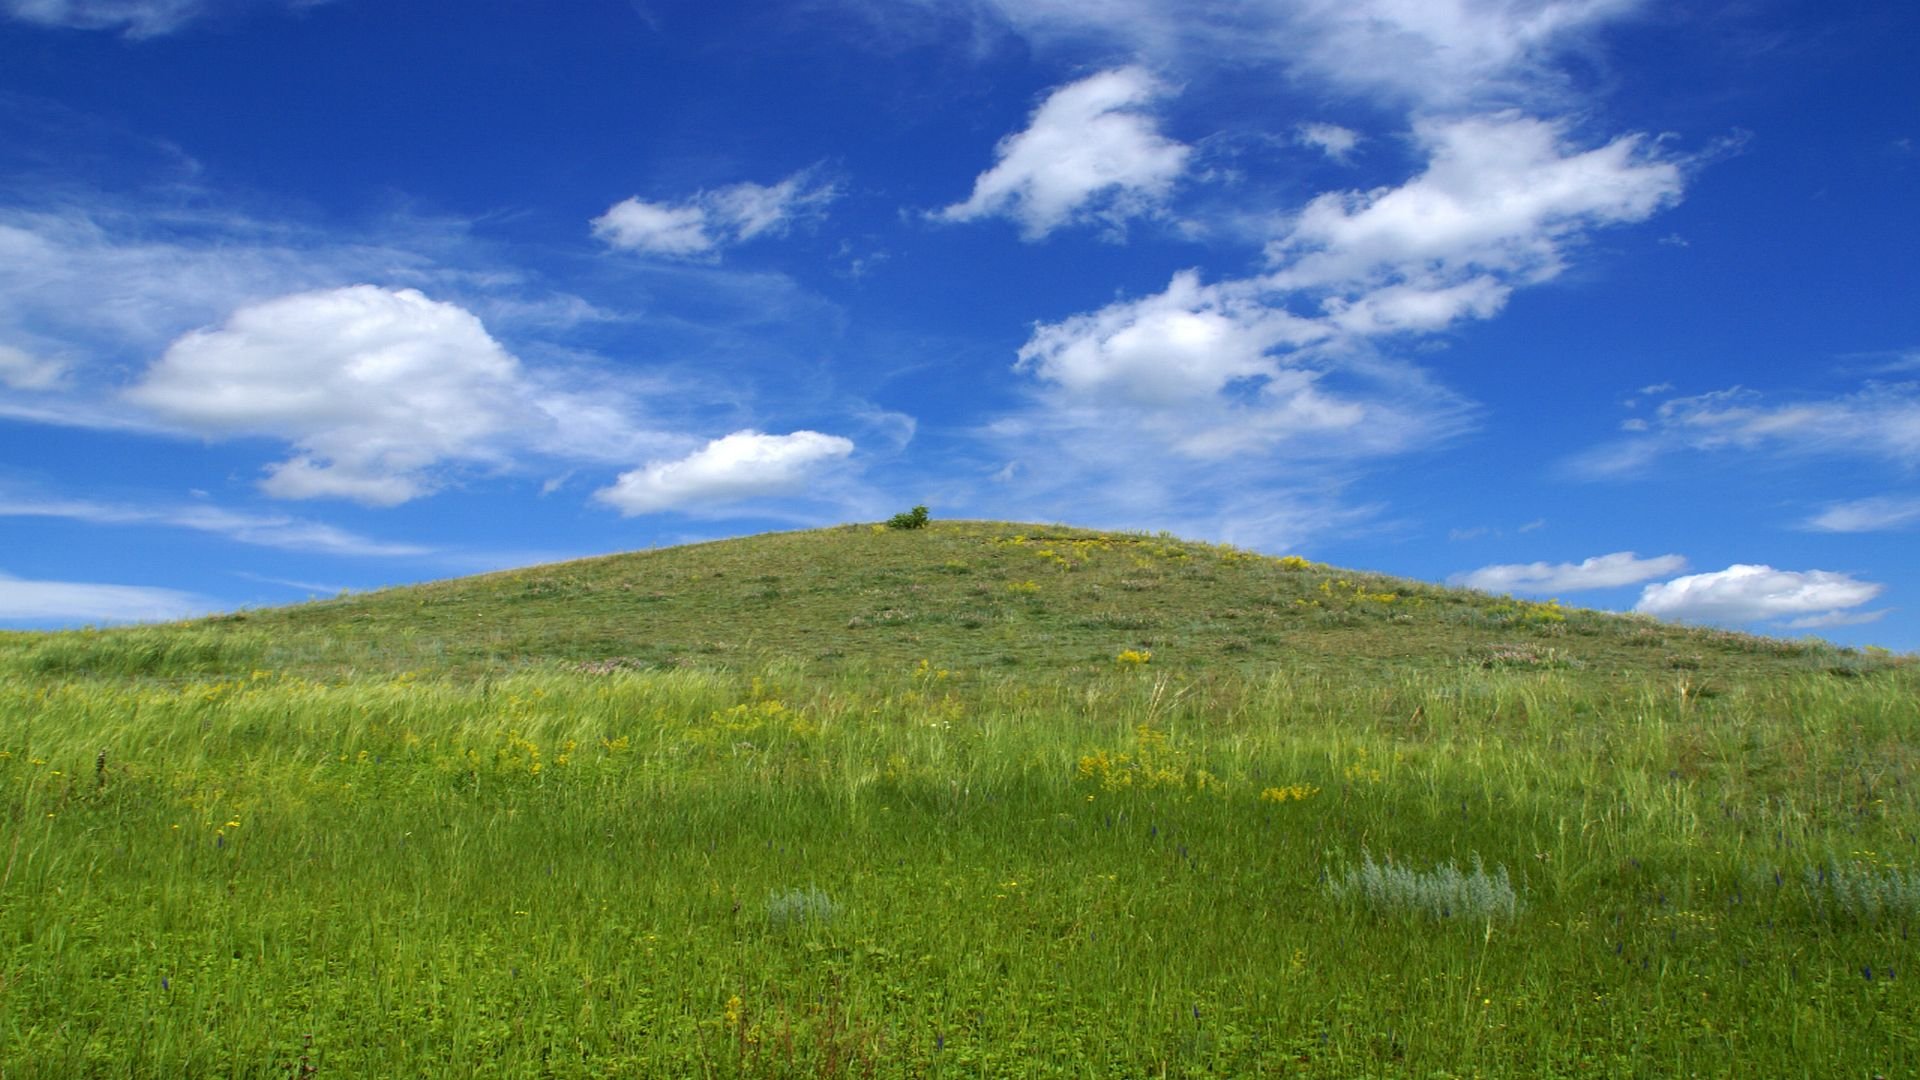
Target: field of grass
[[969, 801]]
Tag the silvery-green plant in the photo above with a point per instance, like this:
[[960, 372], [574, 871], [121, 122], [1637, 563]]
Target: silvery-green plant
[[1861, 892], [1444, 892], [800, 908]]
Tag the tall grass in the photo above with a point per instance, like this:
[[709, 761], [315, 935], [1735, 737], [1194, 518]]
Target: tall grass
[[134, 651], [901, 870]]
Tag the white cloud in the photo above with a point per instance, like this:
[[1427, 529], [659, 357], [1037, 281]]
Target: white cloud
[[117, 283], [743, 465], [372, 386], [21, 371], [1426, 54], [106, 279], [655, 228], [1220, 372], [1332, 140], [264, 530], [1881, 421], [1744, 593], [1836, 618], [1183, 345], [1278, 367], [1090, 152], [138, 18], [1599, 572], [1276, 376], [1406, 307], [70, 602], [1501, 198], [1867, 515], [711, 220], [1442, 53]]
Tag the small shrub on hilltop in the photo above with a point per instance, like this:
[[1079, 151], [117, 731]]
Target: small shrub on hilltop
[[915, 518]]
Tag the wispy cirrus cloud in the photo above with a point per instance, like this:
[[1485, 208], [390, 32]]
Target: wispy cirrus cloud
[[1879, 422], [1878, 514], [1091, 152], [1431, 56], [1598, 572], [261, 530], [135, 18], [109, 275], [71, 602], [21, 371]]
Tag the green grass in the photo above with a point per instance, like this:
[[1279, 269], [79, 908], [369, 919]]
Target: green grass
[[775, 807], [974, 597]]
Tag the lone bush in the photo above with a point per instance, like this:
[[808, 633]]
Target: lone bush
[[915, 518]]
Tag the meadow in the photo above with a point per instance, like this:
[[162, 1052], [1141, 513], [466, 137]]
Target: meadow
[[973, 800]]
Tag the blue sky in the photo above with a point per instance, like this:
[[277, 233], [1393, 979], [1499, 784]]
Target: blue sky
[[1605, 300]]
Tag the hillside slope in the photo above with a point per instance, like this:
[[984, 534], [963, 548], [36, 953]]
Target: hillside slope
[[974, 597], [983, 800]]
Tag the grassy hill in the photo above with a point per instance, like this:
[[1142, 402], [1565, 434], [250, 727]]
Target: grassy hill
[[973, 800], [974, 597]]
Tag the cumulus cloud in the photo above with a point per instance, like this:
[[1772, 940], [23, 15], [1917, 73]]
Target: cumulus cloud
[[1500, 199], [1280, 366], [1090, 152], [1599, 572], [740, 466], [372, 386], [1184, 344], [1881, 421], [1242, 365], [1217, 372], [114, 282], [1747, 593], [1280, 384], [68, 602], [21, 371], [700, 227], [1867, 515], [1332, 140], [264, 530]]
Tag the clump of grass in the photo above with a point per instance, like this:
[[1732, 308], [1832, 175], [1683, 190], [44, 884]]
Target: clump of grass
[[801, 909], [1526, 656], [1444, 892], [1862, 893]]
